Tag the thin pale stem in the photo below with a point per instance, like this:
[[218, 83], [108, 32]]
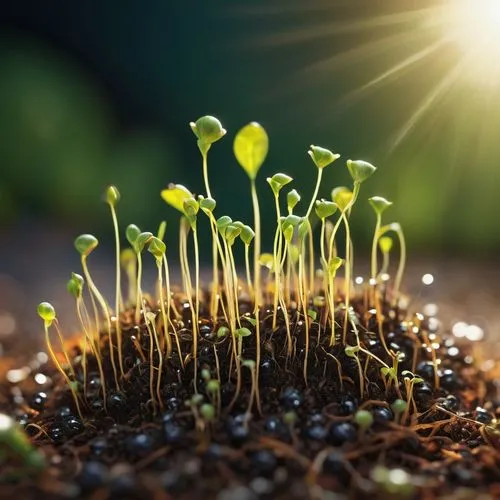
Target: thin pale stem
[[118, 294]]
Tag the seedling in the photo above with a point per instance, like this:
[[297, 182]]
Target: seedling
[[47, 312], [112, 198]]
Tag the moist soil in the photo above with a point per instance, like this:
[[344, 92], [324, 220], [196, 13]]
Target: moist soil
[[302, 441]]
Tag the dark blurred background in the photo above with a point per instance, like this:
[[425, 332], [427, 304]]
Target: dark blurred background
[[99, 92]]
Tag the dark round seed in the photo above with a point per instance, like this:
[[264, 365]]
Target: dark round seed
[[291, 398], [341, 432], [38, 401]]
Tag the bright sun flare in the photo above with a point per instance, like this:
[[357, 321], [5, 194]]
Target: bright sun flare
[[475, 26]]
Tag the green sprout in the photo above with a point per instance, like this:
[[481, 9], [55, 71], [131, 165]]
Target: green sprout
[[47, 312], [379, 205], [364, 420], [207, 130], [251, 145], [112, 196], [385, 244]]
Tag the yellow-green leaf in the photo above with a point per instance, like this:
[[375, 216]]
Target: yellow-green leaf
[[175, 195], [251, 145]]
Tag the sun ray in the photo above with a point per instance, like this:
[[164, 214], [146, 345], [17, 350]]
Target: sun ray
[[393, 72], [432, 98]]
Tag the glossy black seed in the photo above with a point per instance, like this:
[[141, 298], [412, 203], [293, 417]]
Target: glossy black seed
[[425, 369], [98, 446], [316, 418], [73, 425], [267, 365], [423, 392], [264, 461], [172, 432], [481, 415], [139, 445], [341, 432], [93, 385], [348, 405], [449, 380], [38, 401], [206, 332], [316, 432], [276, 427], [57, 433], [451, 403], [63, 412], [382, 415], [237, 432], [93, 475], [291, 398], [173, 404], [116, 402]]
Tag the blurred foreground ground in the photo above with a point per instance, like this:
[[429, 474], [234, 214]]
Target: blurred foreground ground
[[35, 267]]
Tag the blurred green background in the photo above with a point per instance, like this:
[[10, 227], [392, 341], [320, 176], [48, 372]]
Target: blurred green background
[[99, 92]]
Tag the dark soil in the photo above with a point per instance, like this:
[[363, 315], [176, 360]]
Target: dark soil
[[303, 444]]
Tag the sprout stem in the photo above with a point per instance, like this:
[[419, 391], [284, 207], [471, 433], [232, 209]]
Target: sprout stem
[[118, 296], [205, 173], [256, 265], [60, 368], [102, 303]]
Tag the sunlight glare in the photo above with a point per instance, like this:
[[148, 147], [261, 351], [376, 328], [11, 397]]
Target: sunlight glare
[[474, 25]]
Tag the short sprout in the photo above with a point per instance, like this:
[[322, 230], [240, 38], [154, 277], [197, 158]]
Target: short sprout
[[398, 406], [250, 147], [47, 312], [292, 198], [334, 264], [85, 244], [213, 386], [232, 231], [157, 247], [248, 363], [385, 243], [379, 204], [207, 204], [161, 230], [112, 195], [278, 181], [142, 240], [207, 411], [222, 223], [132, 232], [364, 419], [75, 285], [303, 228], [266, 260], [351, 350], [360, 170], [208, 130], [175, 195], [342, 196], [322, 157], [222, 332], [243, 332], [247, 234], [325, 208]]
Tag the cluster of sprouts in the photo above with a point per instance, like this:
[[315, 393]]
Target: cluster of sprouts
[[306, 271]]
